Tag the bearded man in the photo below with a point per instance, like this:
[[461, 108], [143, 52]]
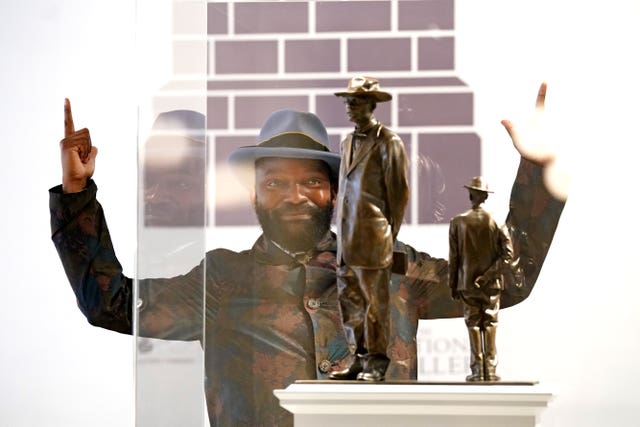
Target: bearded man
[[271, 314]]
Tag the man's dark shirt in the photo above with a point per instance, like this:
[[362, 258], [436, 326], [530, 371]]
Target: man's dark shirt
[[270, 320]]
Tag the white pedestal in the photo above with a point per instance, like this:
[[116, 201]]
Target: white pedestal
[[355, 404]]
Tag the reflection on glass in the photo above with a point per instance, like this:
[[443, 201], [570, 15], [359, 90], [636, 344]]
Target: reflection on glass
[[172, 59], [174, 175], [171, 240]]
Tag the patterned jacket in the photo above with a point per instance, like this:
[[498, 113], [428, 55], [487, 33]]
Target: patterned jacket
[[268, 319]]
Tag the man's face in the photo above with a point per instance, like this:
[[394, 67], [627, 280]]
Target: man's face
[[174, 198], [359, 109], [294, 201]]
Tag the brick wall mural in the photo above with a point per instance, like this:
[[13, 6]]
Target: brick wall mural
[[263, 56]]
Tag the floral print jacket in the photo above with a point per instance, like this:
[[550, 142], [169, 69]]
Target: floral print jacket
[[267, 319]]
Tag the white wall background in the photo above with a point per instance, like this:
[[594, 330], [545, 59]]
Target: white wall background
[[578, 332]]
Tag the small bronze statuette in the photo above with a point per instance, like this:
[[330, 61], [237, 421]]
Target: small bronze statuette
[[372, 198], [479, 250]]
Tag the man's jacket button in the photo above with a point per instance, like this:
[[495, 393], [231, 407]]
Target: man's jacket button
[[324, 366], [313, 303]]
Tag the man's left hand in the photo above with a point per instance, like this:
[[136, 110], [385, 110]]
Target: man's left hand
[[533, 145]]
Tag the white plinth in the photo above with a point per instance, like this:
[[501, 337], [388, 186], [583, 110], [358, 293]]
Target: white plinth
[[327, 404]]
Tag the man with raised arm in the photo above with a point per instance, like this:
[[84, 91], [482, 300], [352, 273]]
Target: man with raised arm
[[272, 314]]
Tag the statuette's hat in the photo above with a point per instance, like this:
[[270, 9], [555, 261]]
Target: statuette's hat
[[477, 183], [365, 87]]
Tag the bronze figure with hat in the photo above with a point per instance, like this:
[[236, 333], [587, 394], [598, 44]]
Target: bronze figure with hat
[[479, 252], [373, 194]]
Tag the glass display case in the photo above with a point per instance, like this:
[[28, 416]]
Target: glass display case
[[172, 212], [212, 342]]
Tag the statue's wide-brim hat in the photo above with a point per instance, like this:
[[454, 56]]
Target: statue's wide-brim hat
[[477, 183], [368, 87], [286, 134]]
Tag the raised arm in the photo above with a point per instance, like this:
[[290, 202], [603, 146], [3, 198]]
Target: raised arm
[[80, 234], [533, 216], [535, 207], [77, 155]]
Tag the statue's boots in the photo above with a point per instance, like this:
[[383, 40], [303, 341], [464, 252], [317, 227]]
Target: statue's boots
[[476, 364], [375, 367], [490, 354], [350, 373]]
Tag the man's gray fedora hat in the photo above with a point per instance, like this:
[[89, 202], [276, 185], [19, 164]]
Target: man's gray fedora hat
[[287, 134]]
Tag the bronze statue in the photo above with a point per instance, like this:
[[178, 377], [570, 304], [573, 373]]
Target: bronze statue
[[373, 194], [479, 250]]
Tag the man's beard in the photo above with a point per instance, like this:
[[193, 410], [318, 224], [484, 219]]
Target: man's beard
[[302, 237]]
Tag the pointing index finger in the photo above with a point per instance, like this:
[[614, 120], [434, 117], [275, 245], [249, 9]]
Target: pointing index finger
[[542, 93], [68, 119]]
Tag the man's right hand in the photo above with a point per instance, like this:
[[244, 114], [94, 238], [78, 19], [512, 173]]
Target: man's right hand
[[77, 155]]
